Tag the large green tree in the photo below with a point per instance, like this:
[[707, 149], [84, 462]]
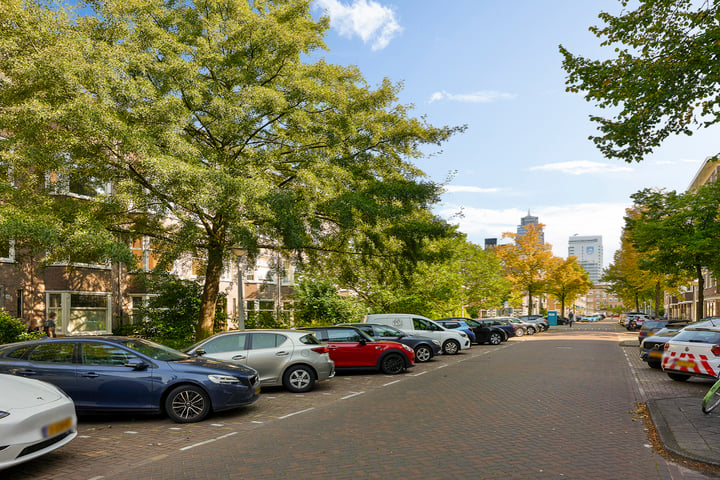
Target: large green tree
[[660, 78], [678, 234], [209, 114], [567, 281]]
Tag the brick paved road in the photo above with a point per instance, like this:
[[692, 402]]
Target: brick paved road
[[554, 405]]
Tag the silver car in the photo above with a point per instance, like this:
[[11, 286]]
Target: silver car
[[291, 358]]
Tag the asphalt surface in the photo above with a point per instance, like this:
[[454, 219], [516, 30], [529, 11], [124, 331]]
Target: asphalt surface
[[568, 403]]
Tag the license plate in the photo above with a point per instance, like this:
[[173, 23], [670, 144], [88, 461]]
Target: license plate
[[57, 427], [685, 363], [257, 390]]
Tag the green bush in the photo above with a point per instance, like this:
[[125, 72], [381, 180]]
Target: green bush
[[14, 330]]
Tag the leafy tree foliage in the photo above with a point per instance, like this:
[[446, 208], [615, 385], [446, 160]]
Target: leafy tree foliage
[[528, 262], [207, 113], [662, 78], [318, 302], [678, 234], [14, 329], [567, 281]]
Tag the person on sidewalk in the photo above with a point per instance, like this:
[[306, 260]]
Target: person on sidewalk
[[571, 319], [49, 325]]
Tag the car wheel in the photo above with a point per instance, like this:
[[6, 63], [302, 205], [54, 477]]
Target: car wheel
[[519, 332], [678, 377], [531, 331], [495, 339], [423, 353], [654, 364], [187, 404], [392, 364], [298, 379], [451, 347]]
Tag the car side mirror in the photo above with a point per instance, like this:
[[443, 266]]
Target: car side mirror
[[199, 352], [363, 341], [136, 364]]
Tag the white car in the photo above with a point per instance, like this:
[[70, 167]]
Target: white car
[[694, 352], [452, 341], [35, 418]]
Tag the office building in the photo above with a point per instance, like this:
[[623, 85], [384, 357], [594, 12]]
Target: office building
[[589, 253]]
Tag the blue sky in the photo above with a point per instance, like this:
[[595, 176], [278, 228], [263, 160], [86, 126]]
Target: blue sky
[[495, 66]]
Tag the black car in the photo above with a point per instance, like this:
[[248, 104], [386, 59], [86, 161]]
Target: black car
[[650, 327], [484, 333], [425, 348], [652, 347], [503, 324]]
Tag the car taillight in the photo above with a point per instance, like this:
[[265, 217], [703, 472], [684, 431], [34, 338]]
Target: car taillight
[[667, 346], [716, 350], [320, 350]]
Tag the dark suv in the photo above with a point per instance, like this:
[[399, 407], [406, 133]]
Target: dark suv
[[425, 348], [484, 333]]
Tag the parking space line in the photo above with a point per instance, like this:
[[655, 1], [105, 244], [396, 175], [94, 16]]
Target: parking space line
[[354, 394], [396, 381], [208, 441], [296, 413]]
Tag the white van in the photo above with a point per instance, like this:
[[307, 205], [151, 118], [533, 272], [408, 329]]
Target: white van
[[452, 341]]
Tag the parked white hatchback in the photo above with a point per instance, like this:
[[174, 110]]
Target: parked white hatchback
[[694, 352], [35, 418], [451, 341]]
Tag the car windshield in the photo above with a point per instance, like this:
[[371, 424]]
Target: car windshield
[[698, 336], [472, 323], [155, 350]]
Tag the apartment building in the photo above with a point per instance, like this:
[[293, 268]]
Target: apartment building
[[588, 250]]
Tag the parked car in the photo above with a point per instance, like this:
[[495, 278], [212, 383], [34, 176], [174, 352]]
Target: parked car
[[653, 346], [459, 324], [35, 418], [425, 348], [508, 328], [351, 348], [481, 332], [291, 358], [592, 318], [636, 320], [694, 351], [452, 341], [109, 373], [650, 327], [539, 320]]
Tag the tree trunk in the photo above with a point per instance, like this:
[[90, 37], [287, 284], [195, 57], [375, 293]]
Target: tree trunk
[[637, 302], [530, 303], [211, 289], [700, 306], [658, 293]]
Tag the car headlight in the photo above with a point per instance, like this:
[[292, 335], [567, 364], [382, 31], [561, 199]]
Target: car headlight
[[4, 414], [436, 342], [407, 348], [224, 379], [463, 334]]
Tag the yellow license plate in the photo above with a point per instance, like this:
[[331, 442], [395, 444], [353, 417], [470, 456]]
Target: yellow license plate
[[685, 363], [257, 390], [57, 427]]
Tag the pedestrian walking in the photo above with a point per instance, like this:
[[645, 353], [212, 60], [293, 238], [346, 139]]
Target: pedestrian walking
[[571, 319], [49, 325]]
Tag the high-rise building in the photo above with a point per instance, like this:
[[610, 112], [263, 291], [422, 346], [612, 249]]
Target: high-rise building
[[490, 243], [589, 253], [527, 220]]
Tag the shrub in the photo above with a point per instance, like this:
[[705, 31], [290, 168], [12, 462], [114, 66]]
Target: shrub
[[14, 330]]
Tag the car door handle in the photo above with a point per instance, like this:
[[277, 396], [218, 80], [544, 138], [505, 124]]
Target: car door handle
[[282, 354], [239, 357], [378, 347], [90, 375], [26, 373], [332, 347]]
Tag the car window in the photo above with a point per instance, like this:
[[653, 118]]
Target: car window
[[700, 336], [344, 335], [472, 323], [226, 343], [266, 340], [369, 330], [450, 324], [309, 340], [60, 352], [383, 331], [154, 350], [103, 354], [18, 352]]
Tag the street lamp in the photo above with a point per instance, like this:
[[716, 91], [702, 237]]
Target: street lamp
[[239, 254]]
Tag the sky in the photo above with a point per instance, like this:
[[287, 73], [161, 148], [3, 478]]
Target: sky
[[495, 66]]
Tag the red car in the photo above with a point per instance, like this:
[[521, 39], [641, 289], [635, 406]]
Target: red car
[[351, 348]]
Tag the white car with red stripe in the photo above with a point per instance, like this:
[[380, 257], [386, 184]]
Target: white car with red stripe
[[695, 351]]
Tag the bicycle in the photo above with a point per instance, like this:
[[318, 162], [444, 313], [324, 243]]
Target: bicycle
[[712, 398]]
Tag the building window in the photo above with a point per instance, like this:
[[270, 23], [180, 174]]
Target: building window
[[81, 312], [7, 251], [75, 185], [148, 253]]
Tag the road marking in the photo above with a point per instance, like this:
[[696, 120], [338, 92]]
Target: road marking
[[296, 413], [255, 421], [207, 441], [396, 381], [354, 394], [131, 433], [418, 374]]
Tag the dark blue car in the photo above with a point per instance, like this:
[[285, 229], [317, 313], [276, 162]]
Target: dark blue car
[[134, 375]]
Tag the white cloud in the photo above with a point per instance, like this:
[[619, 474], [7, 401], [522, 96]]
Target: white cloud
[[561, 222], [371, 21], [580, 167], [467, 188], [482, 96]]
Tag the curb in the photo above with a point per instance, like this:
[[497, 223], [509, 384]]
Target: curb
[[666, 413]]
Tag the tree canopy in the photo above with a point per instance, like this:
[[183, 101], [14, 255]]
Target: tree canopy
[[209, 114], [661, 78], [568, 281]]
